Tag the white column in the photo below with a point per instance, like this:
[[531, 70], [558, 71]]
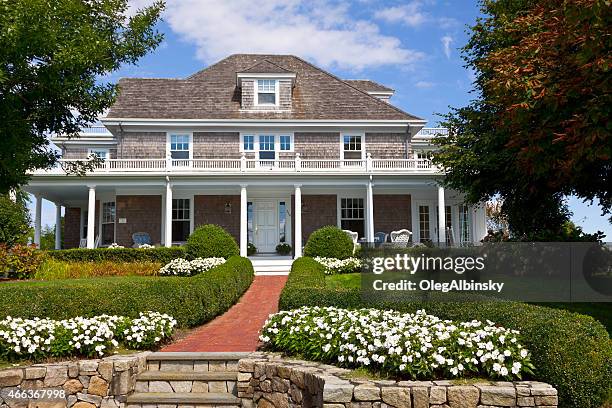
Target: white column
[[168, 218], [297, 245], [37, 219], [162, 239], [370, 213], [441, 216], [244, 232], [58, 226], [91, 217]]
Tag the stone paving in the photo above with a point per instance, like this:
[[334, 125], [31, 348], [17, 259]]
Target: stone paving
[[238, 328]]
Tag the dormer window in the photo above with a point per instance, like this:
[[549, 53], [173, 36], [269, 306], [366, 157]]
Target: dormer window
[[267, 92]]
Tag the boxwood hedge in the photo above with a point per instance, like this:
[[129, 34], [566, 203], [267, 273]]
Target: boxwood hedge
[[190, 300], [572, 352], [162, 255]]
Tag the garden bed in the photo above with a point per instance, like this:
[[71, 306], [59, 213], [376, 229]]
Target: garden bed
[[572, 352]]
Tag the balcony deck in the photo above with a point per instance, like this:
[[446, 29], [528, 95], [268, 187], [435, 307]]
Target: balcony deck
[[249, 166]]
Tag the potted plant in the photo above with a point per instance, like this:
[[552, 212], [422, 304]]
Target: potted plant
[[283, 249], [251, 249]]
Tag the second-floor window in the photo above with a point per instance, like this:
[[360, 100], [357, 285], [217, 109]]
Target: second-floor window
[[285, 142], [101, 153], [179, 146], [352, 147], [266, 92], [266, 147]]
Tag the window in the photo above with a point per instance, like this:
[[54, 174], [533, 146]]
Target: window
[[464, 225], [352, 147], [108, 223], [266, 147], [285, 142], [352, 215], [423, 154], [448, 220], [101, 153], [424, 223], [248, 142], [179, 147], [250, 222], [181, 220], [282, 222], [266, 92]]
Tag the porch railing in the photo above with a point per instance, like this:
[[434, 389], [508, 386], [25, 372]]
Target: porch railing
[[244, 165]]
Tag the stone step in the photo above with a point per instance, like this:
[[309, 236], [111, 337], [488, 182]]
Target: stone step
[[197, 356], [176, 398], [188, 376]]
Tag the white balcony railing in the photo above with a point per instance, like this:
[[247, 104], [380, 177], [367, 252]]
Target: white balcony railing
[[432, 132], [243, 165]]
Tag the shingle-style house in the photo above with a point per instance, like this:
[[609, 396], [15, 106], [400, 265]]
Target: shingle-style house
[[270, 147]]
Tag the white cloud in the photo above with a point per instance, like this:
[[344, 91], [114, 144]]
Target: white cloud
[[410, 14], [446, 44], [316, 30], [424, 84]]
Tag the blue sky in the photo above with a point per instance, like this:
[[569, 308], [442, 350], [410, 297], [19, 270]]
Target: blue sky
[[410, 46]]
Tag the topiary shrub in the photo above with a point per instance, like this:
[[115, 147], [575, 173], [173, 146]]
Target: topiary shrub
[[211, 241], [329, 242]]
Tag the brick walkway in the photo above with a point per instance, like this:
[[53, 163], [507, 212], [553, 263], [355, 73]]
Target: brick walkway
[[238, 328]]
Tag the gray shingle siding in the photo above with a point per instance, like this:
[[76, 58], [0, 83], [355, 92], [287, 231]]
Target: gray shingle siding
[[141, 145], [386, 145], [216, 145]]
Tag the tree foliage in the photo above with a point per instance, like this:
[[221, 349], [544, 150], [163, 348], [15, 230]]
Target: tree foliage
[[14, 220], [539, 129], [53, 54]]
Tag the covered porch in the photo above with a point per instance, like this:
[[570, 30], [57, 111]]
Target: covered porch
[[263, 211]]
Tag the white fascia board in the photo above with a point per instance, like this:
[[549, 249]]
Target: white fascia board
[[246, 75], [381, 93], [84, 141]]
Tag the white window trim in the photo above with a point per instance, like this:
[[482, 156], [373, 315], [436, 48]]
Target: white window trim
[[340, 196], [191, 214], [92, 150], [169, 138], [276, 92], [276, 135], [363, 143]]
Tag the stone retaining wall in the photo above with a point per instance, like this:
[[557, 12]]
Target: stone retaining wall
[[271, 382], [103, 383]]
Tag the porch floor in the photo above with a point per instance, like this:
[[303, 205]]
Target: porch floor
[[238, 328]]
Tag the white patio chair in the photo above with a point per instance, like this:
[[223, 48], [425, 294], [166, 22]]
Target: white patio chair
[[401, 238], [354, 236], [83, 243]]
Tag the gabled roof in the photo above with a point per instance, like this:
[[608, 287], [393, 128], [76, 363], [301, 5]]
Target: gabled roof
[[368, 85], [212, 94], [265, 67]]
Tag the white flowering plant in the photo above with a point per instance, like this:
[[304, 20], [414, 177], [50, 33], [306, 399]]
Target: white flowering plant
[[417, 346], [115, 245], [146, 246], [335, 266], [36, 339], [145, 331], [183, 267]]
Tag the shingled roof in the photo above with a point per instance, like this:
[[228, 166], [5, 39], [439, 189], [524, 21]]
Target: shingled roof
[[368, 85], [212, 93], [265, 67]]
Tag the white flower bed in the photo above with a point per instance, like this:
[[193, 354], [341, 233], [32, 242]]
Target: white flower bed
[[335, 266], [146, 246], [183, 267], [96, 336], [412, 345], [115, 245]]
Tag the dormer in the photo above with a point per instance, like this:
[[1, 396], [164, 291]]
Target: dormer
[[266, 86], [372, 88]]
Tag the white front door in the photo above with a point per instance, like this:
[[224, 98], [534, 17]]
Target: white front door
[[266, 226]]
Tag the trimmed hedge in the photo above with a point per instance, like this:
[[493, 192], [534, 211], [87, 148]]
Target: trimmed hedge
[[161, 255], [572, 352], [191, 301], [211, 241], [329, 242]]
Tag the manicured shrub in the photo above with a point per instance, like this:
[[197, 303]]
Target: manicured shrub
[[572, 352], [161, 255], [19, 261], [329, 242], [283, 249], [52, 269], [191, 301], [211, 241]]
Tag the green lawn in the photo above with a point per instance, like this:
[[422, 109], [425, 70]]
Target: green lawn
[[600, 311]]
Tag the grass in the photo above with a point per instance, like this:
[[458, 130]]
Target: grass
[[600, 311]]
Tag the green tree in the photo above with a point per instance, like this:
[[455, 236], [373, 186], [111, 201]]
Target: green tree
[[53, 54], [539, 128], [14, 220]]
